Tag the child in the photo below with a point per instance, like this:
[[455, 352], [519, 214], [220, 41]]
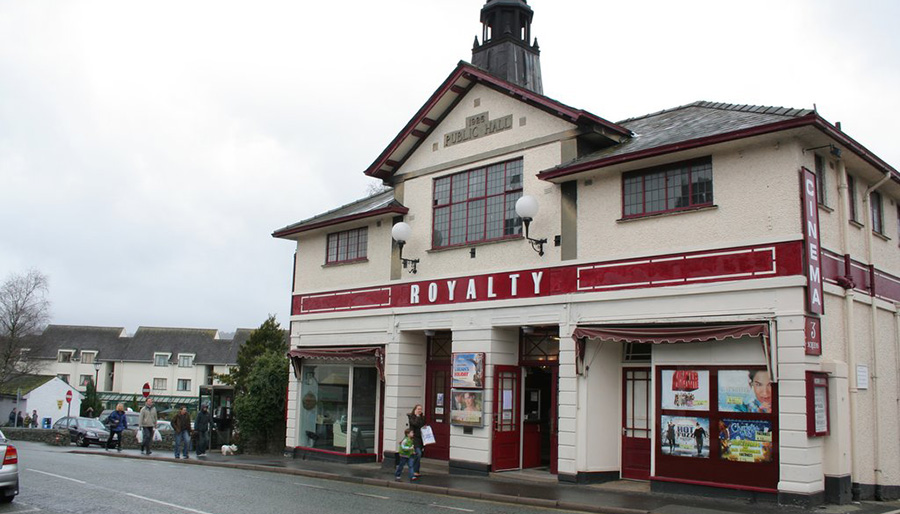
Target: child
[[407, 456]]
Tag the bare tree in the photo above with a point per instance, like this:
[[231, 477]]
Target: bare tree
[[24, 311]]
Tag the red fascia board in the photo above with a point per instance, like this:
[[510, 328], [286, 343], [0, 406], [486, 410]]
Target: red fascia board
[[363, 215], [812, 119]]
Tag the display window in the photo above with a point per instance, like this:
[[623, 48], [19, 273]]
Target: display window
[[717, 425], [339, 407]]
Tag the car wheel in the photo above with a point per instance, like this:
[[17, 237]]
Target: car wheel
[[80, 441]]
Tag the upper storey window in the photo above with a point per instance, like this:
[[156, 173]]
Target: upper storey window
[[674, 187], [477, 205], [347, 246]]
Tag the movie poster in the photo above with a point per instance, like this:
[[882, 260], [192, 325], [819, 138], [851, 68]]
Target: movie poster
[[742, 440], [745, 390], [685, 436], [685, 389], [468, 370], [467, 408]]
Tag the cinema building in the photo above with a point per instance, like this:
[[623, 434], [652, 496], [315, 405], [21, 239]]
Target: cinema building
[[703, 297]]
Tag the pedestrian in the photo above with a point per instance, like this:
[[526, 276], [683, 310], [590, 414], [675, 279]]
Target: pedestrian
[[147, 421], [699, 434], [12, 418], [202, 425], [406, 456], [670, 438], [182, 427], [34, 419], [117, 423], [20, 421], [416, 422]]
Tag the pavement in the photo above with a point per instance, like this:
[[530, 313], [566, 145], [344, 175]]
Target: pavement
[[528, 487]]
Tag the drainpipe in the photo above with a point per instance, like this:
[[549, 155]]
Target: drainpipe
[[874, 322], [850, 350]]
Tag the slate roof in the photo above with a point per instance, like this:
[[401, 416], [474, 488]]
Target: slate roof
[[112, 344], [378, 203], [24, 384], [695, 121]]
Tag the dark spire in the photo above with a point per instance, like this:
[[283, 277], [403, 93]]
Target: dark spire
[[506, 50]]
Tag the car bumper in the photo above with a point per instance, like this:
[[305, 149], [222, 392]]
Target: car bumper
[[9, 479]]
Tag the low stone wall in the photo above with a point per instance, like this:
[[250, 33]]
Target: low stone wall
[[61, 438]]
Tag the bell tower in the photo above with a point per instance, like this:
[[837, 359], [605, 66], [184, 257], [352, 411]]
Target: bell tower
[[506, 50]]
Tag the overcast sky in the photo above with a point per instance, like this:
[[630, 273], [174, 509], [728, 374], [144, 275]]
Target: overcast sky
[[149, 149]]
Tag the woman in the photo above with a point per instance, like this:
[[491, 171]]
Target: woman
[[761, 383], [471, 405], [416, 422], [117, 423]]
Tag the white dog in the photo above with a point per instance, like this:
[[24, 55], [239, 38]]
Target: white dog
[[229, 449]]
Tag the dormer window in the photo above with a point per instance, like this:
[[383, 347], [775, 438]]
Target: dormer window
[[65, 355], [88, 357], [185, 360], [161, 359]]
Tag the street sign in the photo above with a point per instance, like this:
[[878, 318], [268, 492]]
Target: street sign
[[146, 390], [68, 396]]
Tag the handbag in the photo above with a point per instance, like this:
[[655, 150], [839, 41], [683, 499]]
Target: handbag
[[427, 435]]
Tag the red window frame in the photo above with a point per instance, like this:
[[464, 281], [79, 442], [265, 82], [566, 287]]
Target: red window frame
[[357, 238], [668, 171], [816, 380], [509, 196]]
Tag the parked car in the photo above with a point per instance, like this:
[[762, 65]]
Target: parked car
[[131, 418], [164, 426], [84, 431], [9, 471]]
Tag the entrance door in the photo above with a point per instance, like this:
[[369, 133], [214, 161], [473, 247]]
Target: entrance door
[[437, 410], [636, 423], [507, 415]]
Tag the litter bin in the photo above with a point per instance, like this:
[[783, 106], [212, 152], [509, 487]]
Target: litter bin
[[45, 423]]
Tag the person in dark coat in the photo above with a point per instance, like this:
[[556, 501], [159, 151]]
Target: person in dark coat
[[12, 417], [416, 422], [203, 425], [182, 426], [117, 423], [20, 421]]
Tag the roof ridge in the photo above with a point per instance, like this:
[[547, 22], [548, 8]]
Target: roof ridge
[[791, 112]]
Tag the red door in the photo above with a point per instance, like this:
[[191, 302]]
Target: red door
[[507, 418], [636, 423], [437, 410]]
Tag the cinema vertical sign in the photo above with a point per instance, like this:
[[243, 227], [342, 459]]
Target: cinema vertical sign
[[815, 298]]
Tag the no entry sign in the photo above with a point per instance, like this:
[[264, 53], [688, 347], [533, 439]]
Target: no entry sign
[[68, 396], [146, 390]]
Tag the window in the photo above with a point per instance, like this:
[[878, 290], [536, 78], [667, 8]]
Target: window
[[184, 384], [85, 380], [674, 187], [820, 180], [185, 361], [636, 352], [64, 378], [88, 357], [877, 212], [161, 359], [347, 246], [159, 384], [64, 356], [851, 196], [340, 407], [477, 205]]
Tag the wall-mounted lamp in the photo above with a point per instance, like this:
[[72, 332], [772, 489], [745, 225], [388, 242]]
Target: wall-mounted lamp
[[527, 209], [401, 233], [833, 150]]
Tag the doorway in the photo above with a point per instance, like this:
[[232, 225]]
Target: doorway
[[437, 394], [636, 423], [507, 422], [539, 418]]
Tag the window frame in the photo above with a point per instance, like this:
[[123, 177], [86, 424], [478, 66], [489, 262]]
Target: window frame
[[159, 381], [361, 235], [507, 194], [63, 376], [183, 381], [84, 380], [851, 198], [70, 356], [190, 356], [156, 361], [821, 181], [88, 357], [876, 207], [665, 169]]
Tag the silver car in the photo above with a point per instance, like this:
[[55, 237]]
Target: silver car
[[9, 471]]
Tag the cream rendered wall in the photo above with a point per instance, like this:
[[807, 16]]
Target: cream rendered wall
[[312, 274], [743, 181], [601, 409], [131, 377]]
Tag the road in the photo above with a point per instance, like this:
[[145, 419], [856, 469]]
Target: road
[[52, 480]]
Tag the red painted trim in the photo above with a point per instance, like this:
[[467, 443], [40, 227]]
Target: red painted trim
[[815, 380], [458, 90], [812, 119], [419, 134], [336, 221], [715, 484], [328, 452], [429, 122]]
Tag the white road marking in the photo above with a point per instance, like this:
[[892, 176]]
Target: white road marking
[[373, 496], [57, 476], [188, 509], [451, 508], [309, 485]]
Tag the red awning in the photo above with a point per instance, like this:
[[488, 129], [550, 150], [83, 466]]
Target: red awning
[[339, 354], [674, 334]]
